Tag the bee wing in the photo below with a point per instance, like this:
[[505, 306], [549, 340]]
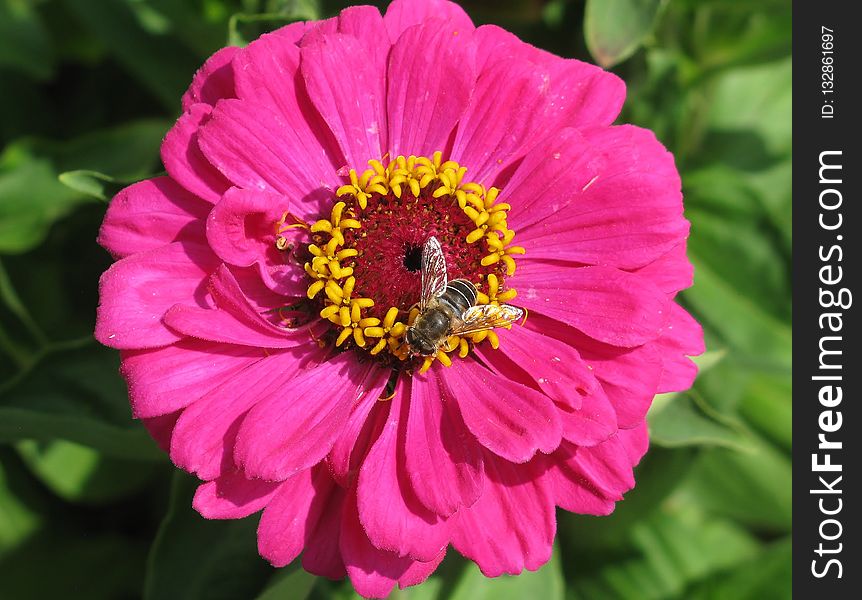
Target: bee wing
[[487, 316], [434, 277]]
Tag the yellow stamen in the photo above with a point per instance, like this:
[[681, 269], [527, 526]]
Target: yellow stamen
[[392, 184]]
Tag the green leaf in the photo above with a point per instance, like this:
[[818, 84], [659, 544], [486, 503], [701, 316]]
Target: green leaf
[[763, 277], [31, 199], [460, 579], [767, 406], [163, 64], [673, 548], [686, 420], [754, 100], [24, 43], [80, 474], [767, 576], [10, 298], [92, 183], [18, 519], [51, 550], [753, 487], [68, 562], [290, 583], [74, 394], [126, 152], [591, 542], [247, 26], [743, 324], [193, 558], [31, 196], [546, 583], [197, 25], [614, 29], [774, 193]]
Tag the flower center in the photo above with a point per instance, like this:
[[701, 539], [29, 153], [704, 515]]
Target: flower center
[[365, 260]]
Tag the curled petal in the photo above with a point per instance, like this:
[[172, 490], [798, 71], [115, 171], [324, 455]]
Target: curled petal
[[213, 81]]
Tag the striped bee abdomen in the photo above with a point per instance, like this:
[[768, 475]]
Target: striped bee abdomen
[[460, 295]]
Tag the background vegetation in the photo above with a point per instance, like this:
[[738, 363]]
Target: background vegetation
[[90, 509]]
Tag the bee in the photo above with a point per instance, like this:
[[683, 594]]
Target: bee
[[448, 308]]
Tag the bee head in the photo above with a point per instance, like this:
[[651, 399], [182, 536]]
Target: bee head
[[419, 344]]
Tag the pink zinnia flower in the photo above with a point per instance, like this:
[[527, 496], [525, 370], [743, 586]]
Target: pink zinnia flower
[[263, 289]]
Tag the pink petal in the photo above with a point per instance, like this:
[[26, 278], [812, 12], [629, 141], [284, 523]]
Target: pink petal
[[442, 459], [579, 94], [672, 271], [161, 429], [418, 572], [184, 161], [512, 526], [366, 23], [635, 441], [550, 178], [348, 90], [389, 512], [571, 489], [292, 32], [498, 128], [292, 515], [627, 215], [554, 366], [163, 380], [592, 423], [234, 321], [271, 287], [629, 378], [150, 214], [372, 572], [295, 427], [682, 337], [586, 418], [322, 555], [256, 147], [426, 96], [213, 81], [137, 290], [204, 436], [507, 418], [233, 496], [241, 227], [582, 94], [267, 74], [609, 305], [402, 14], [590, 480], [364, 423], [221, 326]]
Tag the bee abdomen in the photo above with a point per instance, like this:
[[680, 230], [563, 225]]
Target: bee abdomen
[[460, 295]]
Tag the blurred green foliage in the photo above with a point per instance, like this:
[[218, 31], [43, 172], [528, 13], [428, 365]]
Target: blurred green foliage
[[89, 508]]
